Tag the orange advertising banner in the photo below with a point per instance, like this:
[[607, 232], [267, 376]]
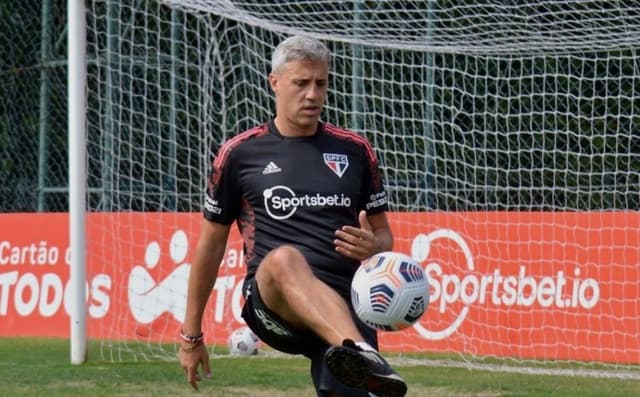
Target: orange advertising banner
[[542, 285]]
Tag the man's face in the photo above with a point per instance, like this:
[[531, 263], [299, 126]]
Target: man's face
[[300, 88]]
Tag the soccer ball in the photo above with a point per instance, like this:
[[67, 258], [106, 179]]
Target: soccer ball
[[390, 291], [243, 342]]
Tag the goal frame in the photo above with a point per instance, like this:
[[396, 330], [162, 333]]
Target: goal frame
[[77, 83]]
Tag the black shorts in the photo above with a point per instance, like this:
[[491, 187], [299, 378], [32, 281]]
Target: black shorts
[[275, 332]]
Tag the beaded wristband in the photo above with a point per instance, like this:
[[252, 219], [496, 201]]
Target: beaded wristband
[[191, 339]]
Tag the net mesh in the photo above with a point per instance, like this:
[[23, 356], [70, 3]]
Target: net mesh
[[475, 109], [33, 121]]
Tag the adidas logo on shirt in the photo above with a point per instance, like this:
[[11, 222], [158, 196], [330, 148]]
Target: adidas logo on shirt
[[271, 168]]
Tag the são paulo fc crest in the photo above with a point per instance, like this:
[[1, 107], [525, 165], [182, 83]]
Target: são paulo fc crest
[[338, 163]]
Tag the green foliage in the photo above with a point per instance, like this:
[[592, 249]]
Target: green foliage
[[33, 98], [455, 131]]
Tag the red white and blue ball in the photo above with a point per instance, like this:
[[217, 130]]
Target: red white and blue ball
[[390, 291]]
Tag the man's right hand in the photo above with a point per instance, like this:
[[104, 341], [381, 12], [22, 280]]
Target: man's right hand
[[191, 356]]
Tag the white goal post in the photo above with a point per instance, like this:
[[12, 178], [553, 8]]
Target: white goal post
[[77, 176], [507, 134]]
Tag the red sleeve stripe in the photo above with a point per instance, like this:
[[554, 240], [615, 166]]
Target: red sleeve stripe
[[225, 149], [352, 136]]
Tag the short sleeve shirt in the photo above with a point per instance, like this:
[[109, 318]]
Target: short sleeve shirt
[[296, 191]]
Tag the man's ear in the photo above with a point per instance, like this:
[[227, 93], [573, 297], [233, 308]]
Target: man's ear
[[273, 82]]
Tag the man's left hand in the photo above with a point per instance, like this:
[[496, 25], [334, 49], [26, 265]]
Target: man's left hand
[[357, 243]]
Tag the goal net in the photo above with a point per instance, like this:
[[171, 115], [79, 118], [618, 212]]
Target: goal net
[[507, 135]]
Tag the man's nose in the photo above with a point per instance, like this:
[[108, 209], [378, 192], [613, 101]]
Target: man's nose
[[313, 91]]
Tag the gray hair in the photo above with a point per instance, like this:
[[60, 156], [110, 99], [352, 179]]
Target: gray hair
[[298, 48]]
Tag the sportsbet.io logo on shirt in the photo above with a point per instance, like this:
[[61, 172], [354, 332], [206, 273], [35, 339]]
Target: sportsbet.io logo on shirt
[[281, 202]]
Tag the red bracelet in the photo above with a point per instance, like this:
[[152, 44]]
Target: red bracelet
[[191, 339]]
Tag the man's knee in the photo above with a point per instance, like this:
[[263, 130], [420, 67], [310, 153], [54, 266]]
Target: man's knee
[[277, 276], [282, 262]]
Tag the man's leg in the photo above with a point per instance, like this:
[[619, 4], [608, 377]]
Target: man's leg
[[290, 289]]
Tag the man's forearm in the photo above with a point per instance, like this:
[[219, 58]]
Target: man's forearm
[[204, 271]]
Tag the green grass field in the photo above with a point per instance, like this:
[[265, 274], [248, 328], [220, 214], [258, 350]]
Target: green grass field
[[41, 367]]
